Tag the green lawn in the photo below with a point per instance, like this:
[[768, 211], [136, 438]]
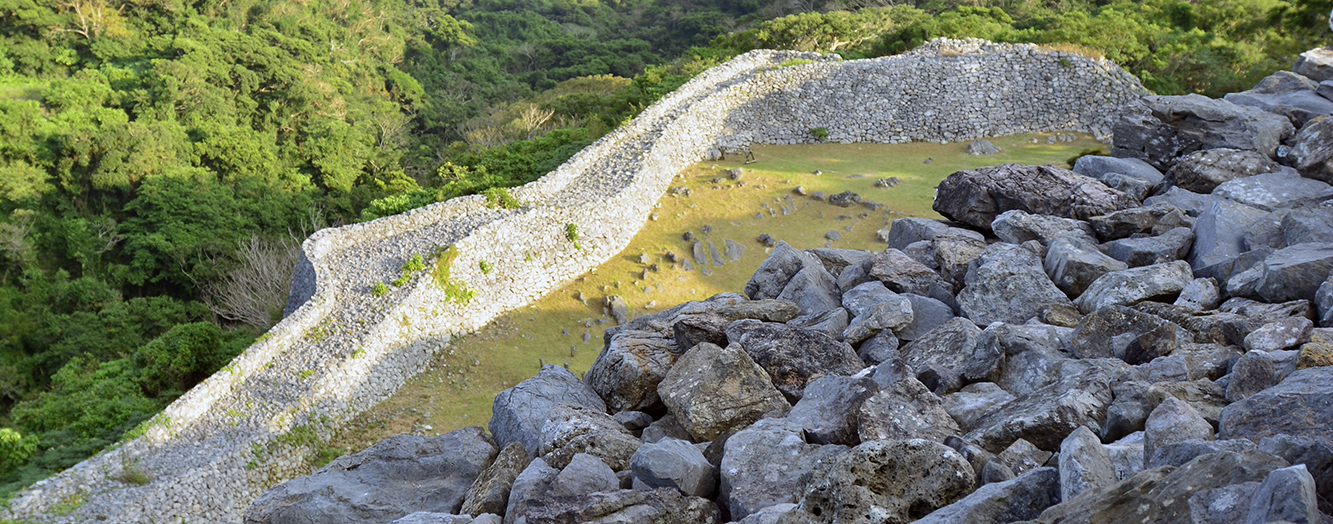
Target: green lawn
[[457, 390]]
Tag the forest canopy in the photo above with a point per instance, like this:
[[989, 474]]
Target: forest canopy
[[161, 160]]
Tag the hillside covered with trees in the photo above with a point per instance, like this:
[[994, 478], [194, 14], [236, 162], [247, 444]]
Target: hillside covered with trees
[[162, 160]]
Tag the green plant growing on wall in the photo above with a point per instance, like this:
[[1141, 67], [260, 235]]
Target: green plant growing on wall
[[500, 197], [820, 133], [304, 374], [791, 62], [485, 266], [455, 290], [572, 234], [380, 289]]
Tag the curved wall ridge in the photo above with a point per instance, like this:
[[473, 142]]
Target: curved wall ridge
[[341, 350]]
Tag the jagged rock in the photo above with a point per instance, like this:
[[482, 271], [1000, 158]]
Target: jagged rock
[[399, 475], [832, 322], [489, 493], [1286, 495], [1126, 455], [1203, 171], [1302, 225], [792, 356], [1301, 405], [1126, 287], [1161, 129], [1017, 226], [879, 348], [1162, 494], [955, 254], [976, 197], [673, 463], [927, 314], [1224, 505], [659, 506], [1180, 453], [1315, 454], [1173, 421], [1315, 64], [908, 230], [1020, 358], [1021, 498], [777, 270], [902, 410], [1022, 457], [570, 430], [901, 274], [813, 289], [941, 355], [1295, 272], [1074, 265], [1009, 285], [619, 309], [1193, 204], [1111, 169], [584, 474], [686, 333], [1253, 372], [518, 413], [753, 480], [1201, 294], [666, 427], [1128, 334], [1145, 251], [1269, 191], [712, 389], [968, 405], [1288, 94], [1084, 464], [426, 517], [529, 486], [889, 480], [762, 310], [1153, 219], [1191, 362], [631, 364], [875, 309], [769, 515], [1045, 416], [1205, 396], [982, 147], [633, 420], [1312, 150], [845, 199], [837, 260], [1219, 238], [828, 409], [1287, 333]]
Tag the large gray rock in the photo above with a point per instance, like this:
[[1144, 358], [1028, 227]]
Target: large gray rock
[[1020, 358], [1161, 129], [673, 463], [1173, 421], [1201, 294], [1045, 416], [529, 487], [884, 481], [908, 230], [1323, 299], [1017, 226], [1288, 94], [1193, 204], [792, 356], [1253, 372], [1162, 494], [954, 255], [1008, 284], [1074, 265], [753, 480], [1126, 287], [631, 364], [874, 309], [1021, 498], [879, 348], [902, 274], [828, 409], [977, 197], [1315, 454], [1104, 167], [777, 270], [904, 410], [1301, 405], [1269, 191], [1311, 224], [927, 314], [1084, 464], [1315, 64], [399, 475], [1149, 219], [489, 493], [1219, 238], [1180, 453], [584, 474], [1287, 333], [659, 506], [1224, 505], [832, 323], [426, 517], [968, 405], [813, 290], [686, 333], [1286, 495], [1203, 171], [836, 260], [1145, 251], [570, 430], [1295, 272], [940, 356], [1127, 334], [1312, 150], [712, 389], [518, 413]]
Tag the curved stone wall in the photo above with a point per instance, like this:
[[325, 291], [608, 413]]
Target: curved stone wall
[[341, 349]]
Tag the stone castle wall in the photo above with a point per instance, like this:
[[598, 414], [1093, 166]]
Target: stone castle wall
[[340, 350]]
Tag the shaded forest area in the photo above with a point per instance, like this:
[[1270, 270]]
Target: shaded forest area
[[161, 160]]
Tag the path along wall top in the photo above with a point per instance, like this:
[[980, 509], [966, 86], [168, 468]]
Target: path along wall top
[[341, 349]]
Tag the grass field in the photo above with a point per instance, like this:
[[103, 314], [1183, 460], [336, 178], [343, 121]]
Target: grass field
[[458, 389]]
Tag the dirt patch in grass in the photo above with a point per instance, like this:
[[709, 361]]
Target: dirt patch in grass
[[566, 327]]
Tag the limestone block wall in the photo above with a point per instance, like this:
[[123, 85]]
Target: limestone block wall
[[340, 349]]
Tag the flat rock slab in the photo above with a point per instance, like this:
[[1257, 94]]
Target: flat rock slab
[[977, 197], [1301, 405]]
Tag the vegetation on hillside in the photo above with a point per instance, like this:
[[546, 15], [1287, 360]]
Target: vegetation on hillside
[[160, 161]]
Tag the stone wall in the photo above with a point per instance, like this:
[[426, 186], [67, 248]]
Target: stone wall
[[341, 349]]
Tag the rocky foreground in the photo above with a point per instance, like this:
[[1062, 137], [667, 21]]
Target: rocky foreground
[[1146, 338]]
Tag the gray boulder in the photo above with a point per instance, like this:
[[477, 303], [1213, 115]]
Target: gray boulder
[[518, 413], [1296, 272], [1045, 416], [1269, 191], [769, 515], [1203, 171], [1224, 505], [712, 389], [875, 309], [1286, 495], [1008, 284], [1301, 405], [1022, 457], [1145, 251], [631, 364], [908, 230], [1288, 94], [1315, 454], [879, 348], [1074, 265], [659, 506], [570, 430], [1253, 372], [1219, 238], [777, 270], [1315, 64], [1180, 453], [982, 147], [954, 255], [792, 356], [976, 197], [666, 427], [1104, 167], [828, 409], [489, 493], [903, 274], [1173, 421], [1021, 498], [1020, 358], [529, 487], [1312, 150], [927, 314], [1149, 219], [397, 476], [904, 410], [1126, 287], [426, 517], [974, 401], [832, 322], [1201, 294], [1161, 129], [752, 480], [1127, 334], [673, 463], [893, 480], [813, 290], [584, 474], [1084, 464], [1287, 333], [686, 333], [836, 260], [1017, 226], [1311, 224], [940, 356]]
